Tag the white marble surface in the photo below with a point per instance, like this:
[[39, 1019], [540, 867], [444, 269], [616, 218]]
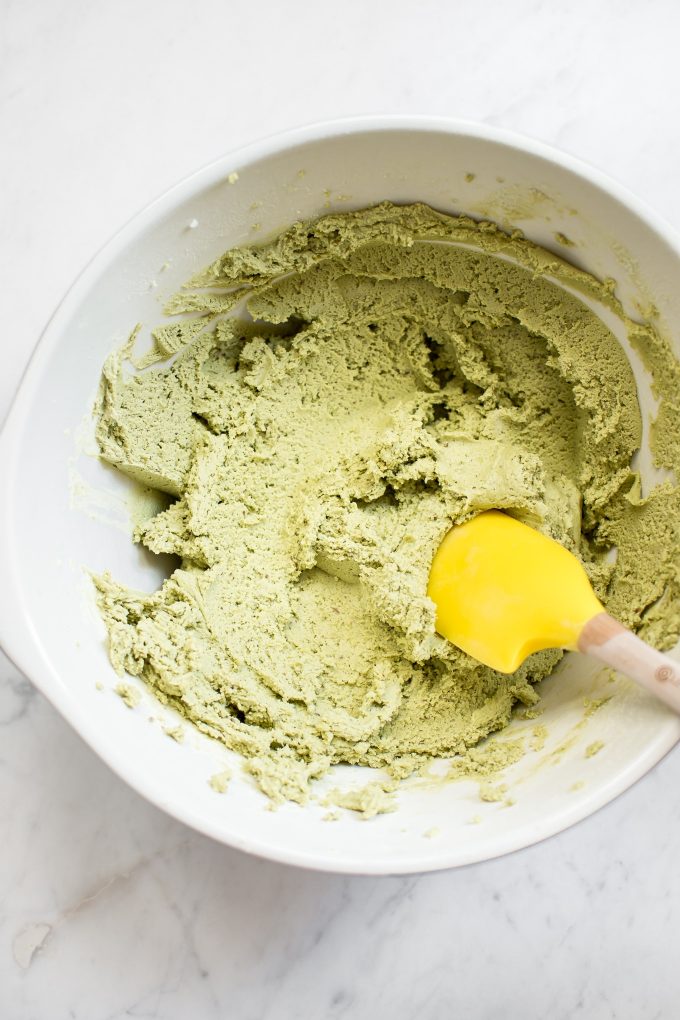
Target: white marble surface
[[109, 909]]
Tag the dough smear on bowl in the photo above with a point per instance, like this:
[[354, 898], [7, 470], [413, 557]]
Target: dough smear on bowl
[[395, 370]]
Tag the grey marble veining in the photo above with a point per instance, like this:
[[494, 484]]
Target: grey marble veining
[[108, 908]]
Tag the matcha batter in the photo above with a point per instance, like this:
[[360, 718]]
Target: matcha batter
[[400, 370]]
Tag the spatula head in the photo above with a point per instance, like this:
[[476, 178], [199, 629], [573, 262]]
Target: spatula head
[[503, 590]]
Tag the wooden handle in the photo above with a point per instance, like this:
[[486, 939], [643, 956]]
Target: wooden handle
[[608, 640]]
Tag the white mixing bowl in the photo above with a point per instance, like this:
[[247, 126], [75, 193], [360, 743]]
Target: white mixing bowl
[[62, 512]]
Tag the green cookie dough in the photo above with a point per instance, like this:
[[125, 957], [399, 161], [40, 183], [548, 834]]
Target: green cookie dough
[[395, 370]]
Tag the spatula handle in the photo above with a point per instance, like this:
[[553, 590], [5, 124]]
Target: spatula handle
[[608, 640]]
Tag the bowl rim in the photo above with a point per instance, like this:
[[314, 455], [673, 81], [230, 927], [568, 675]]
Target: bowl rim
[[17, 636]]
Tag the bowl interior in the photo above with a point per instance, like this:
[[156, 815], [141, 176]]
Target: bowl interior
[[64, 513]]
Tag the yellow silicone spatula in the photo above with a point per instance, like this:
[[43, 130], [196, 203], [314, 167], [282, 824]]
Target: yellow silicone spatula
[[503, 590]]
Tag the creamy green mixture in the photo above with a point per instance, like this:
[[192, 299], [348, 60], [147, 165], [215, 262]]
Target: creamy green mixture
[[396, 371]]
